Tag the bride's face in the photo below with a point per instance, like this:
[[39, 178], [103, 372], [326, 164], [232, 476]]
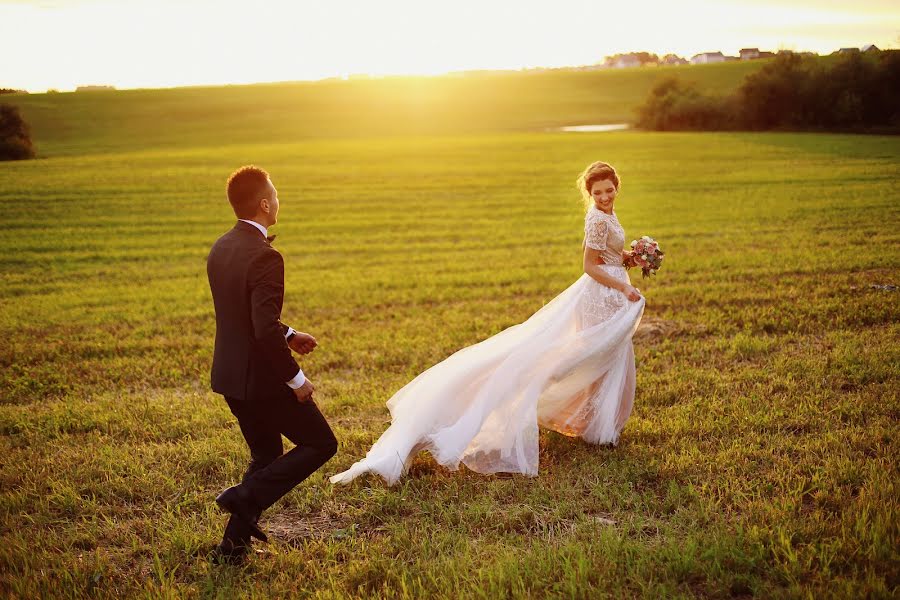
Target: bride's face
[[604, 194]]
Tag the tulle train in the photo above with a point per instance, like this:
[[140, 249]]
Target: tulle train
[[563, 368]]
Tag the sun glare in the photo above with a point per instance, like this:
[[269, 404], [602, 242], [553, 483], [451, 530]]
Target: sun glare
[[135, 43]]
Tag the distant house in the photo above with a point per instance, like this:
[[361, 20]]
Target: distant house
[[705, 58], [94, 88], [749, 53], [866, 48]]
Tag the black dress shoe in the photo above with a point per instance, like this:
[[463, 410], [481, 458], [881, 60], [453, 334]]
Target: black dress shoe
[[237, 501], [228, 554]]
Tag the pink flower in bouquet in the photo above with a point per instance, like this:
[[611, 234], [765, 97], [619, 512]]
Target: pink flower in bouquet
[[647, 255]]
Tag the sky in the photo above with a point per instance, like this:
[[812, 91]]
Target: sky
[[61, 44]]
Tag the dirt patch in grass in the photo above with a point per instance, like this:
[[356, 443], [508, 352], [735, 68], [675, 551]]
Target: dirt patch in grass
[[654, 329], [292, 527]]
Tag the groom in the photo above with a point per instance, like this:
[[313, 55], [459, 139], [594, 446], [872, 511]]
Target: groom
[[253, 367]]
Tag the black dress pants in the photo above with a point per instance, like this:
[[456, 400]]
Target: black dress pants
[[272, 473]]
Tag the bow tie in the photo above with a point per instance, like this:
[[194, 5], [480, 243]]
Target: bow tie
[[271, 238]]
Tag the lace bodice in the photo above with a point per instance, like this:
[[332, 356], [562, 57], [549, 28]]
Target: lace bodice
[[604, 233]]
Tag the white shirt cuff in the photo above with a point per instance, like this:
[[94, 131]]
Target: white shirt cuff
[[288, 332], [298, 380]]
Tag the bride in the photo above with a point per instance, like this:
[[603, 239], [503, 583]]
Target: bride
[[569, 367]]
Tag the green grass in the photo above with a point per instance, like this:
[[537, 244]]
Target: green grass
[[761, 459], [80, 122]]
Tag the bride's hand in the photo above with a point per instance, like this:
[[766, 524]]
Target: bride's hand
[[631, 292]]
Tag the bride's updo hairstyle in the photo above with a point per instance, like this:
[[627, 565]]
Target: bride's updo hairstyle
[[596, 171]]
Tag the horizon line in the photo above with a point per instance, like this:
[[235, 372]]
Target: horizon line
[[343, 77]]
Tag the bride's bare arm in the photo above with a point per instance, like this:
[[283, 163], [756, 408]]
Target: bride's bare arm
[[591, 265]]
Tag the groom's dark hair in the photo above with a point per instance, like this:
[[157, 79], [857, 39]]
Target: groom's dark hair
[[245, 188]]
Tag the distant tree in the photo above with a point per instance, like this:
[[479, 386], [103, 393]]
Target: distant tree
[[11, 91], [778, 93], [15, 138], [676, 105], [849, 87], [887, 90], [646, 57], [672, 59], [642, 57]]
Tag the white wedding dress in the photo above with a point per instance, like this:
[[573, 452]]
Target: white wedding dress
[[569, 367]]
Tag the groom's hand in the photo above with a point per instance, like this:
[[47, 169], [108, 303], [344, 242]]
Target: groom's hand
[[302, 343], [304, 392]]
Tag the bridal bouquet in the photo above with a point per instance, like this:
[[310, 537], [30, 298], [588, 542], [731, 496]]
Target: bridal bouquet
[[646, 254]]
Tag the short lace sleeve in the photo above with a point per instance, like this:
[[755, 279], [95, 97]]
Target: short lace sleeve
[[596, 230]]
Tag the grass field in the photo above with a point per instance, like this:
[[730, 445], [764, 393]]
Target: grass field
[[761, 459], [83, 122]]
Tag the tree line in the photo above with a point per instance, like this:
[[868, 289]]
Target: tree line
[[15, 136], [856, 92]]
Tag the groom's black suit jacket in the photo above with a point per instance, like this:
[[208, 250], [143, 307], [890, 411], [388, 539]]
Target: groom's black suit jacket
[[246, 276]]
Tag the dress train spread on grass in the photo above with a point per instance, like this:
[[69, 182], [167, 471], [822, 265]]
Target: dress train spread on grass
[[569, 367]]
